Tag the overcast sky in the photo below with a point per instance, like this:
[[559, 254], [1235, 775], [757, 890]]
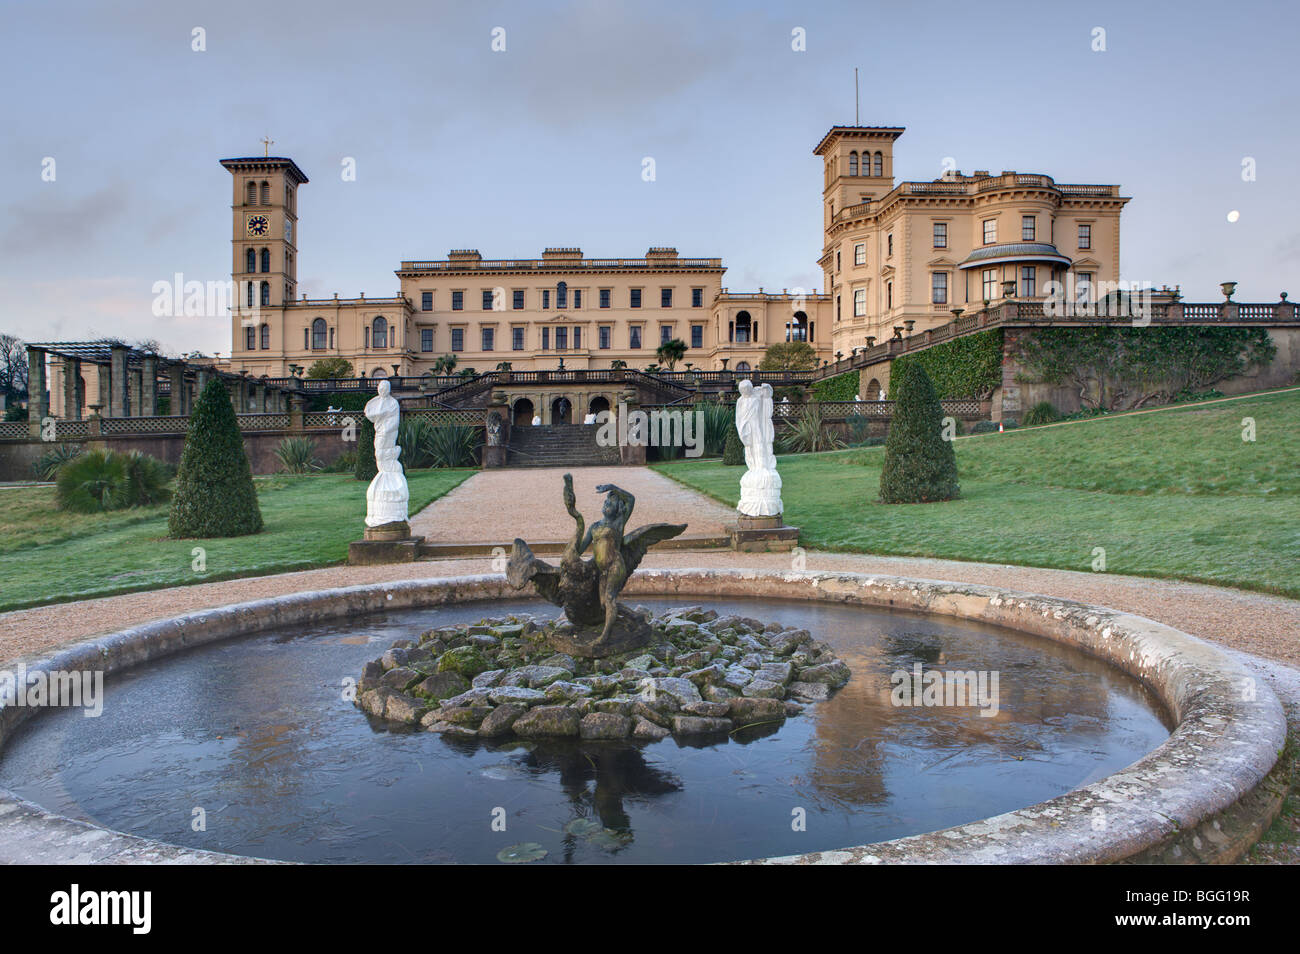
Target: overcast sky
[[458, 146]]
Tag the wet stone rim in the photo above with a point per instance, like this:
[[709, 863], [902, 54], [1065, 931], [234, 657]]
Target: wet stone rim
[[1181, 802]]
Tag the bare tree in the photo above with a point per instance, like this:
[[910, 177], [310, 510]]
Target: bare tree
[[13, 367]]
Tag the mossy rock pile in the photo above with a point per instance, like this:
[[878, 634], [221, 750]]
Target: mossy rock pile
[[705, 675]]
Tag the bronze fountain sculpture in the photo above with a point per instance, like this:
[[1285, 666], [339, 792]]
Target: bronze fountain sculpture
[[588, 590]]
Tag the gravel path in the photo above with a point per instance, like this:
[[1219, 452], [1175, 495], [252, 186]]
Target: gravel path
[[495, 506], [1267, 626]]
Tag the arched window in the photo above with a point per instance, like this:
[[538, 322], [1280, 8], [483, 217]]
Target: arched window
[[797, 328], [853, 163], [379, 373], [250, 293], [266, 337], [877, 164], [250, 262], [562, 295], [742, 366], [379, 332], [742, 328], [266, 259], [318, 335], [266, 293], [251, 197], [266, 193]]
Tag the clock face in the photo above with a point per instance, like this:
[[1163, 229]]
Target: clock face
[[258, 225]]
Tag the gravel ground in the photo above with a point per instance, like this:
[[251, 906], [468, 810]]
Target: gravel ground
[[493, 505]]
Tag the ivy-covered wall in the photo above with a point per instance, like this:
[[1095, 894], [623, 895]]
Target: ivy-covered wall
[[1119, 368], [842, 387], [969, 367]]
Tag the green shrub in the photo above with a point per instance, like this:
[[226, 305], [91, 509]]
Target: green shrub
[[107, 480], [788, 356], [46, 467], [214, 487], [1044, 412], [859, 428], [808, 433], [733, 453], [719, 421], [15, 412], [343, 400], [453, 445], [330, 368], [413, 435], [366, 468], [345, 463], [984, 427], [920, 465], [298, 455]]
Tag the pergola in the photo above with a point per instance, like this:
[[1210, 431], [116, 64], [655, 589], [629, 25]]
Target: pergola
[[131, 381]]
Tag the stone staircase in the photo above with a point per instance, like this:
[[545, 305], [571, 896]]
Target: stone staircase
[[558, 445]]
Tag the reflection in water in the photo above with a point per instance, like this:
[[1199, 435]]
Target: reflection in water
[[257, 732]]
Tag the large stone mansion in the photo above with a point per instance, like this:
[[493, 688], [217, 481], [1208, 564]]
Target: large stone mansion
[[894, 255]]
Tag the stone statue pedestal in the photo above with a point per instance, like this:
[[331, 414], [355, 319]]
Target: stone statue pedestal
[[762, 534], [629, 632], [396, 530], [387, 543]]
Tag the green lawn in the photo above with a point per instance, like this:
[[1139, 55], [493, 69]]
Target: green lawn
[[1176, 493], [48, 556]]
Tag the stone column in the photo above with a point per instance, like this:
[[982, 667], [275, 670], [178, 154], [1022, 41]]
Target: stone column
[[201, 382], [176, 378], [117, 382], [149, 391], [102, 372], [297, 406], [235, 388], [135, 392], [259, 398], [72, 389], [38, 400]]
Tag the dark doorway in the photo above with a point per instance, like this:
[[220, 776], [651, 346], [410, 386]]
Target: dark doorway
[[524, 413], [561, 411]]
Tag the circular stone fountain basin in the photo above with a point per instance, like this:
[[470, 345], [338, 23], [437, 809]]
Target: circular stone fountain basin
[[1076, 763]]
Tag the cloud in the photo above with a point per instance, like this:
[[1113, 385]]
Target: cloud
[[52, 219]]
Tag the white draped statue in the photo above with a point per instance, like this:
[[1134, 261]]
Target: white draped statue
[[387, 496], [760, 488]]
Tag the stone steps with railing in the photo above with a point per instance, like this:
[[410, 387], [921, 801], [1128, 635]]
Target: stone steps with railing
[[559, 445]]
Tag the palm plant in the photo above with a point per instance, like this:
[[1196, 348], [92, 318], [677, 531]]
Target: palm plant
[[413, 438], [452, 445], [808, 433], [106, 480], [671, 351], [46, 467], [297, 455], [719, 421]]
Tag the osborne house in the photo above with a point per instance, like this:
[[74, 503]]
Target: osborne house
[[895, 254]]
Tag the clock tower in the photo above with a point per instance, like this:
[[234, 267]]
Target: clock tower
[[264, 237]]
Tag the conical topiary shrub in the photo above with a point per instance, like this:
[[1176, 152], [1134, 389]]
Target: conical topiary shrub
[[214, 486], [920, 465], [366, 466], [733, 452]]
